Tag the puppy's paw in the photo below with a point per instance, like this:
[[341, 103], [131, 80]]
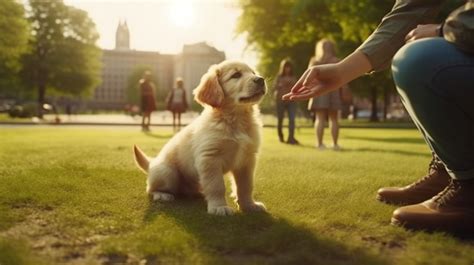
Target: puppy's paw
[[162, 196], [253, 207], [220, 210]]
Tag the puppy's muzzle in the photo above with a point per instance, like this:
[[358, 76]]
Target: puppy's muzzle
[[259, 81], [261, 88]]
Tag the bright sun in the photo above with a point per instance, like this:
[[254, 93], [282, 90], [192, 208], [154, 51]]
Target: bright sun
[[181, 13]]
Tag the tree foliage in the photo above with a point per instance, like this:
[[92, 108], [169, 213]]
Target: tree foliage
[[13, 44], [278, 29], [63, 56]]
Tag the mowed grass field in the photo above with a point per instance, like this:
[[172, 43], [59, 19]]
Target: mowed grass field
[[73, 195]]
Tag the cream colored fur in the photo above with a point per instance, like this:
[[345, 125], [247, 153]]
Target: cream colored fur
[[225, 138]]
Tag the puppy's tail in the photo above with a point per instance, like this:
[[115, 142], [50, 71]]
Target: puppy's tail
[[141, 159]]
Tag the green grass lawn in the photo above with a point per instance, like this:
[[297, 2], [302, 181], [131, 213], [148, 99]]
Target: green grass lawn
[[73, 195]]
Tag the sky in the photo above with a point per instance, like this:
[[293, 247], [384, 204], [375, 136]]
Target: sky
[[165, 25]]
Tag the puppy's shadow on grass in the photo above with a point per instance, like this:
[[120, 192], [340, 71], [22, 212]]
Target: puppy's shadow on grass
[[256, 238]]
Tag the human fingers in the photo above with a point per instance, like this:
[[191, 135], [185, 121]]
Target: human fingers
[[291, 93], [287, 96], [307, 94], [311, 78], [299, 84], [410, 35]]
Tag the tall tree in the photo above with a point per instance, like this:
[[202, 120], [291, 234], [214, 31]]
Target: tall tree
[[13, 44], [64, 56]]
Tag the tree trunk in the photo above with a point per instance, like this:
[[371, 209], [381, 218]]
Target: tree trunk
[[373, 115], [41, 95]]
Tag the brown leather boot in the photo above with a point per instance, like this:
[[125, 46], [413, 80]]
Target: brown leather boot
[[419, 191], [452, 210]]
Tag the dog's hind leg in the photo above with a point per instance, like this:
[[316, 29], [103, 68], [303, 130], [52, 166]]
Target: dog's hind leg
[[162, 182]]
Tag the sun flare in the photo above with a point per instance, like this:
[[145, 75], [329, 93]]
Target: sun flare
[[181, 13]]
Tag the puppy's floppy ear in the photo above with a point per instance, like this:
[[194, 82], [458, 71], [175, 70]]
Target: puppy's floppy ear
[[209, 90], [142, 160]]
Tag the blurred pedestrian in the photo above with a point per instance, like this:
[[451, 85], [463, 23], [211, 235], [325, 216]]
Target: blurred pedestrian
[[176, 103], [283, 84], [148, 104], [68, 110], [326, 106]]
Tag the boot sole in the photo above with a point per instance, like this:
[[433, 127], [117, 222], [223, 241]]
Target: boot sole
[[381, 199], [397, 203], [463, 233]]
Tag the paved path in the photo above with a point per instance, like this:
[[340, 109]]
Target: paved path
[[164, 118], [158, 118]]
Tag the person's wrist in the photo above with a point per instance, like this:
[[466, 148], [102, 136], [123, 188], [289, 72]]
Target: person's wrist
[[342, 70], [353, 66]]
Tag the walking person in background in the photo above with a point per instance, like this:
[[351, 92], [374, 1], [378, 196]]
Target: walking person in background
[[176, 103], [283, 84], [328, 105], [148, 104]]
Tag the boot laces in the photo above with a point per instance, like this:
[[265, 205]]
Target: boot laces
[[422, 180], [434, 165], [449, 192]]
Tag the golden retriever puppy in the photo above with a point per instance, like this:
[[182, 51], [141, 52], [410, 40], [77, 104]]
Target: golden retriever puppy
[[224, 138]]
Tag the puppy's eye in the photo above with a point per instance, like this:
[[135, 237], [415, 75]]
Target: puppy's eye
[[236, 75]]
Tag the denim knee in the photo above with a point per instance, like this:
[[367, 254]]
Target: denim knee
[[414, 64]]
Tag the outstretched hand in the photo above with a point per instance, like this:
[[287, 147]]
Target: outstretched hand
[[316, 81], [321, 79]]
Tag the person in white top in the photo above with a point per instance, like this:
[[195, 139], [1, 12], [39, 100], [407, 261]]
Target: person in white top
[[176, 103]]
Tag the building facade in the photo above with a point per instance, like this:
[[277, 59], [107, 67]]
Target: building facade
[[120, 63]]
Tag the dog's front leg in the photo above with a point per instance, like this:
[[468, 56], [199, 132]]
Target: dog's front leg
[[213, 187], [243, 177]]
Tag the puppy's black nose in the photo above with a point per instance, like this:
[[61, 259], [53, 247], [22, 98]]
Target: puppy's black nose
[[260, 81]]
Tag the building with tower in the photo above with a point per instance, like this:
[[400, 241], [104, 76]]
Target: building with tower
[[122, 36], [118, 64]]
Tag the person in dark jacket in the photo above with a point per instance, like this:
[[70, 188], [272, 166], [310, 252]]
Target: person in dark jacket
[[148, 104], [433, 70], [283, 83]]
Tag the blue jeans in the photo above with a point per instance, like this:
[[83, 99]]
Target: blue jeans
[[436, 83], [281, 107]]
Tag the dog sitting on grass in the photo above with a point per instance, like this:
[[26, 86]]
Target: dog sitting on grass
[[224, 138]]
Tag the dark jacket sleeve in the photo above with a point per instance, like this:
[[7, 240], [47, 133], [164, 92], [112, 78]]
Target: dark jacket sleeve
[[459, 27], [390, 34]]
